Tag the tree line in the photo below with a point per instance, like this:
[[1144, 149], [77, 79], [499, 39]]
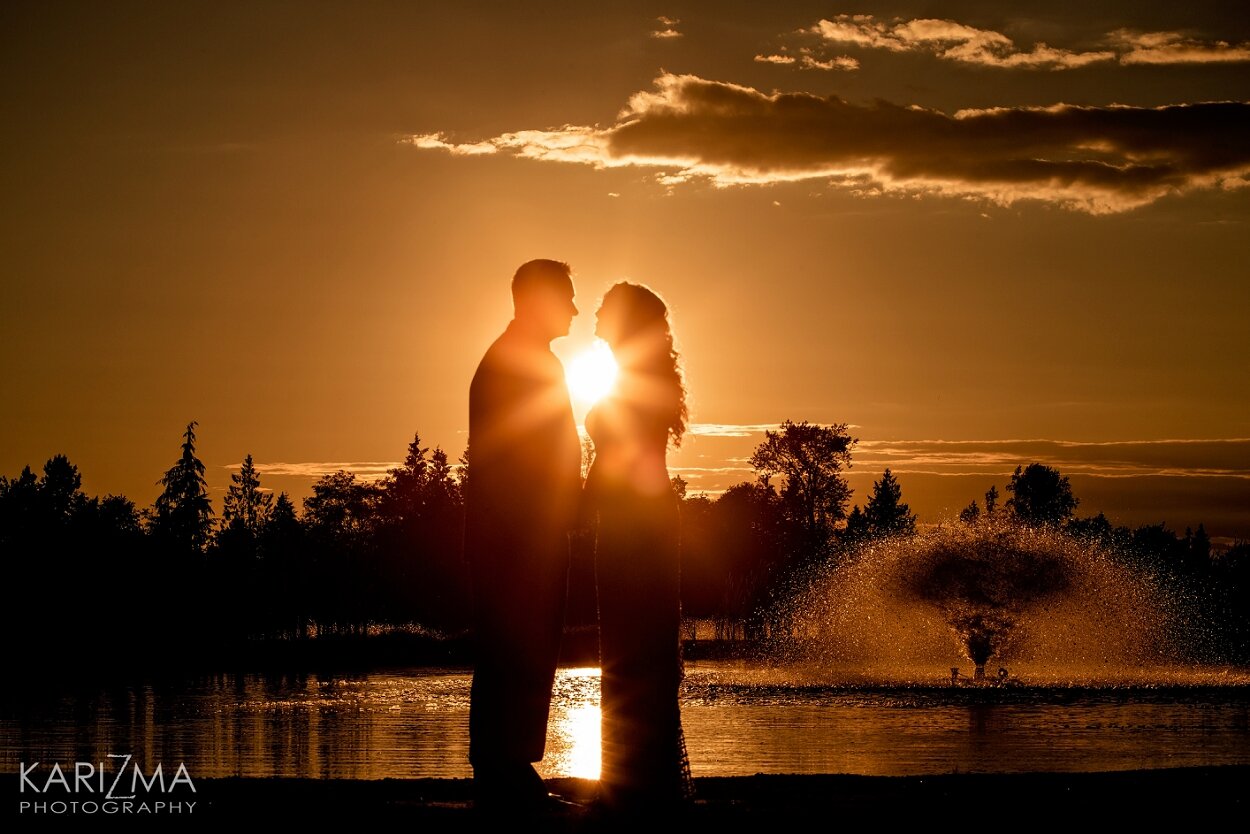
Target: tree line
[[86, 575]]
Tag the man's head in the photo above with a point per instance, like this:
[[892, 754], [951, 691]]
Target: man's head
[[542, 297]]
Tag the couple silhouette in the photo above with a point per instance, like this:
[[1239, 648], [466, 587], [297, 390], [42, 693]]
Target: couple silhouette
[[524, 495]]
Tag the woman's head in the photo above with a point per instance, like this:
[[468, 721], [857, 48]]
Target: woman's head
[[633, 320], [630, 313]]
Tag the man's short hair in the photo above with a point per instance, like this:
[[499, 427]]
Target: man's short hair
[[537, 273]]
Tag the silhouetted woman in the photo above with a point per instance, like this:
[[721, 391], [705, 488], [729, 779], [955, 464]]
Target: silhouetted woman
[[636, 554]]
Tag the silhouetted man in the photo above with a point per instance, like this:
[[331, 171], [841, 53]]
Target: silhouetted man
[[521, 496]]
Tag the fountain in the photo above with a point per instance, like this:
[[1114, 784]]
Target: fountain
[[1110, 666], [993, 590]]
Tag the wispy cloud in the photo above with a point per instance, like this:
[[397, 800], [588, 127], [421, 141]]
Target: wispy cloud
[[365, 470], [954, 41], [667, 28], [1175, 48], [434, 141], [1093, 159], [1223, 458], [702, 478], [731, 429], [805, 59]]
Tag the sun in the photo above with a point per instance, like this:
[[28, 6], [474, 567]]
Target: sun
[[590, 374]]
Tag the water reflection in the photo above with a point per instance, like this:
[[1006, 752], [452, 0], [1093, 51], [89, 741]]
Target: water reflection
[[573, 745], [738, 719]]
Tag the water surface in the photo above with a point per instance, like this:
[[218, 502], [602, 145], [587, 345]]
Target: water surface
[[739, 719]]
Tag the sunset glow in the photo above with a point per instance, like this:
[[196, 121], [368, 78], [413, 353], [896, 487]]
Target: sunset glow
[[936, 264]]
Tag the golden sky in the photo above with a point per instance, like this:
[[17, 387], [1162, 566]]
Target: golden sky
[[982, 234]]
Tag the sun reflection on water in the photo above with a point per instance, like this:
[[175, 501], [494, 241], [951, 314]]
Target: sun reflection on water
[[573, 734]]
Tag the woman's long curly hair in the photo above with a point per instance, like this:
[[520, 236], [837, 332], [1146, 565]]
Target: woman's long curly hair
[[645, 350]]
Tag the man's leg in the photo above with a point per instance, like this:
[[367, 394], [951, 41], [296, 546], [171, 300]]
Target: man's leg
[[518, 619]]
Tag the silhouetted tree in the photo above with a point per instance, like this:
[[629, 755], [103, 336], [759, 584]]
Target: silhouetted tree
[[1095, 528], [19, 501], [245, 505], [118, 513], [340, 505], [1198, 545], [810, 459], [857, 528], [462, 469], [420, 519], [340, 519], [970, 514], [236, 575], [1232, 570], [1158, 548], [885, 511], [749, 556], [283, 516], [1040, 495], [56, 566], [703, 567], [991, 500], [183, 511], [64, 552], [60, 493], [679, 485], [287, 579]]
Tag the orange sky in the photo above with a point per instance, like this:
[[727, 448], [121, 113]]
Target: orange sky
[[268, 220]]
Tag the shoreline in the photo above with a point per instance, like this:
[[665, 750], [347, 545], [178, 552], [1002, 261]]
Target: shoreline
[[751, 801]]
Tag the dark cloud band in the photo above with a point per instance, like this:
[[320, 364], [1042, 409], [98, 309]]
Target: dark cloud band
[[1094, 159]]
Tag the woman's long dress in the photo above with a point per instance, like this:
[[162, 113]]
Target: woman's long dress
[[637, 575]]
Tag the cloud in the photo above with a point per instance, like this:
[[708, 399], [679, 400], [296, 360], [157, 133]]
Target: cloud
[[566, 144], [806, 60], [731, 429], [431, 141], [1094, 159], [953, 41], [669, 29], [840, 62], [1174, 48], [365, 470], [1189, 458]]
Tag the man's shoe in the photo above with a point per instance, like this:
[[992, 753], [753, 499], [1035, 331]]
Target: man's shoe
[[508, 787]]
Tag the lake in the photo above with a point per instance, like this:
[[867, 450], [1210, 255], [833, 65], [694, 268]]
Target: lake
[[739, 718]]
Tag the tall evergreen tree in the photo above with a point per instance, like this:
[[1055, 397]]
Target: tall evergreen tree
[[1200, 546], [991, 500], [283, 517], [857, 528], [60, 494], [403, 491], [885, 511], [287, 576], [419, 528], [183, 511], [245, 507]]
